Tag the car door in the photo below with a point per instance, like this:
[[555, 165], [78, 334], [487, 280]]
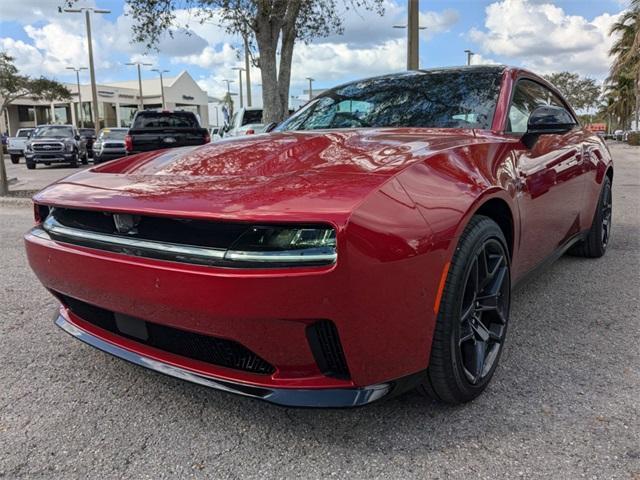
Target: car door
[[550, 179]]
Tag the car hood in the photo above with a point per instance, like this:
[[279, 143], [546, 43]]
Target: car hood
[[50, 139], [311, 176]]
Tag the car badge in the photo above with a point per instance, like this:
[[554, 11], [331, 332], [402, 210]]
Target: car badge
[[126, 223]]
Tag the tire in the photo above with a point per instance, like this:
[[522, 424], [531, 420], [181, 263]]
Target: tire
[[472, 317], [74, 162], [15, 159], [595, 244], [31, 165], [85, 159]]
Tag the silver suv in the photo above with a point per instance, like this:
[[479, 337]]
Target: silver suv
[[55, 144]]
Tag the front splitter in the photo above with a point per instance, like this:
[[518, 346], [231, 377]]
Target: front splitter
[[288, 397]]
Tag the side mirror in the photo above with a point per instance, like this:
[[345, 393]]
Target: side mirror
[[270, 127], [545, 120]]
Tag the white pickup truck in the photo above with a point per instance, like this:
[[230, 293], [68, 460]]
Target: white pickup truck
[[15, 145]]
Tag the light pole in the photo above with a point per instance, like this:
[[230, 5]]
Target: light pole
[[94, 92], [138, 64], [311, 80], [240, 70], [413, 39], [469, 55], [247, 69], [228, 82], [80, 110], [161, 84]]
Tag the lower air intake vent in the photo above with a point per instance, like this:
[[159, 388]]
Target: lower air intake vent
[[217, 351], [327, 349]]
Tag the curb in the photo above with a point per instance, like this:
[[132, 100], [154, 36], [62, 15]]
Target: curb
[[15, 201]]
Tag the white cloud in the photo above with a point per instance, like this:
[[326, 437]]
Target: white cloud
[[333, 61], [543, 37]]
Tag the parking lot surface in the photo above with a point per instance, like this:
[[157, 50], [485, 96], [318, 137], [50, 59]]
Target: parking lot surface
[[564, 403], [43, 175]]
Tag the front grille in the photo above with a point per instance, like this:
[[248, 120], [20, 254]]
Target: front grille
[[327, 350], [162, 229], [47, 147], [217, 351]]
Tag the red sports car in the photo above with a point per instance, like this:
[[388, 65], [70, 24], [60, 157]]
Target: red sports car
[[367, 245]]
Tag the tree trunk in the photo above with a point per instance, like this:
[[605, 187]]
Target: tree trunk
[[271, 22], [4, 181]]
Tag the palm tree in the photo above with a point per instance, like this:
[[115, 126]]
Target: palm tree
[[626, 62]]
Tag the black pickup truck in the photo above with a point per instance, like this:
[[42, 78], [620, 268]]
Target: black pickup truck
[[153, 130]]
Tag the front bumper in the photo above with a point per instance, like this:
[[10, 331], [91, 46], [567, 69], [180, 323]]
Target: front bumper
[[58, 157], [288, 397]]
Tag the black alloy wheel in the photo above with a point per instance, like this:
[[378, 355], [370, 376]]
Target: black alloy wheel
[[484, 310], [473, 315], [594, 245]]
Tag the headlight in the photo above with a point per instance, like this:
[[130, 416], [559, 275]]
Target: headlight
[[286, 245], [27, 147], [68, 147]]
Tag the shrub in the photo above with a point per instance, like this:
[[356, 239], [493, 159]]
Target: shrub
[[633, 138]]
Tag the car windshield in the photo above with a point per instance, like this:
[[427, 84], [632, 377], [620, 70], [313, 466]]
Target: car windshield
[[113, 134], [166, 120], [252, 116], [464, 98], [55, 131]]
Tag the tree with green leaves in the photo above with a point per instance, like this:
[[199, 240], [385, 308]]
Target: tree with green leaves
[[272, 27], [14, 86], [582, 93], [626, 59]]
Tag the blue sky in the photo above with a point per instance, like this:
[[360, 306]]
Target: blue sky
[[543, 35]]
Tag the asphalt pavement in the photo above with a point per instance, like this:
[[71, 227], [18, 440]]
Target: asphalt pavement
[[564, 403]]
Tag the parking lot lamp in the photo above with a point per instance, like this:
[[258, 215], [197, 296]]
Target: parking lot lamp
[[94, 92], [228, 82], [80, 110], [413, 39], [138, 64], [164, 106], [240, 70], [310, 87], [469, 55]]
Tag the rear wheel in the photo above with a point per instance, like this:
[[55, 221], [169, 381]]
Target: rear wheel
[[595, 244], [15, 159], [74, 161], [472, 317]]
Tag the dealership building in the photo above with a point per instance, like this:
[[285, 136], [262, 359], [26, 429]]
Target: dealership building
[[117, 103]]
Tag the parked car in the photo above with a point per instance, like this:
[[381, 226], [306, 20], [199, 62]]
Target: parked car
[[153, 130], [215, 133], [109, 145], [55, 144], [89, 136], [15, 145], [244, 120], [367, 246], [618, 135]]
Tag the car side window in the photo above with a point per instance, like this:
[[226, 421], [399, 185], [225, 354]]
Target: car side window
[[528, 96]]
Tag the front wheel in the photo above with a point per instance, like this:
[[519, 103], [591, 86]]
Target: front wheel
[[31, 165], [15, 159], [472, 317]]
